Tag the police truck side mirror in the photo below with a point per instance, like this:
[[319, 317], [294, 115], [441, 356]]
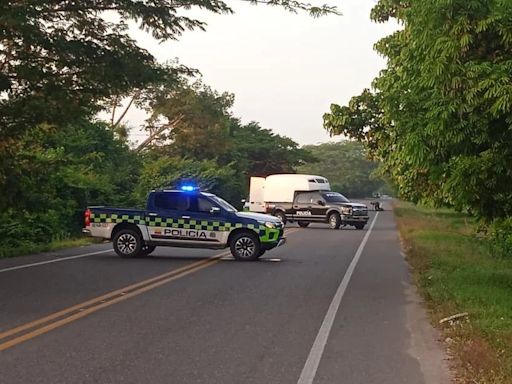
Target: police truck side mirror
[[321, 202], [214, 210]]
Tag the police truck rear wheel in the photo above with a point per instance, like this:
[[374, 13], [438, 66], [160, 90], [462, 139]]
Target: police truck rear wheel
[[245, 246], [334, 220], [280, 215], [303, 224], [127, 243]]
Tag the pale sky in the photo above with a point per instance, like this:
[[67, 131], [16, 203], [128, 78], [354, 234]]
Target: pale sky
[[285, 69]]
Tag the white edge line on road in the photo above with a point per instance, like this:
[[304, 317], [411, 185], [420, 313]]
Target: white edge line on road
[[52, 261], [315, 354]]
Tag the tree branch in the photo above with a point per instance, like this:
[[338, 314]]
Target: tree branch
[[135, 95], [114, 106], [154, 135]]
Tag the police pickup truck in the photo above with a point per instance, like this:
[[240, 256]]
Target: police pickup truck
[[185, 217], [321, 207]]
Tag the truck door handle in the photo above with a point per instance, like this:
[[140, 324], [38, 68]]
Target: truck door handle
[[152, 214], [185, 217]]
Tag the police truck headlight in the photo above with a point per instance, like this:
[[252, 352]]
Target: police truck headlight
[[270, 225]]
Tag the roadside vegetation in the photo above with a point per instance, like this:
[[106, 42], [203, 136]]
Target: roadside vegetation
[[460, 271], [68, 76], [439, 116]]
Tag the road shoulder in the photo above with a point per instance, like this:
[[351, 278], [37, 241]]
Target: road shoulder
[[381, 333]]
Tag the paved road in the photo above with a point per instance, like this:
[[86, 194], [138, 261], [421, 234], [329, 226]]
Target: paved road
[[181, 317]]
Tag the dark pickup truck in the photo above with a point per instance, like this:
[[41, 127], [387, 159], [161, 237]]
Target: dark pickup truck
[[321, 207]]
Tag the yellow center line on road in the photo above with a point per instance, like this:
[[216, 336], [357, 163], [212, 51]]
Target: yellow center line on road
[[101, 302], [75, 312], [86, 312]]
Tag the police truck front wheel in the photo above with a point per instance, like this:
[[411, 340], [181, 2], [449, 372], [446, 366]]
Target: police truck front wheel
[[127, 243], [245, 246], [334, 220]]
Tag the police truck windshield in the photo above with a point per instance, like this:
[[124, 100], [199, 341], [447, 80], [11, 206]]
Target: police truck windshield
[[334, 197], [223, 204]]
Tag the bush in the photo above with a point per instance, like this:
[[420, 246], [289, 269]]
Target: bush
[[500, 235], [22, 229]]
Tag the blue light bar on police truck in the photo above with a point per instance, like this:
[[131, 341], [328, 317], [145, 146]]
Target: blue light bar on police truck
[[186, 185]]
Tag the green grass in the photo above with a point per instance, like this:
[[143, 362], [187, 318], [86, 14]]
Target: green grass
[[55, 245], [456, 271]]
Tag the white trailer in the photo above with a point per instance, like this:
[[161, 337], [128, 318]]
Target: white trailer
[[281, 188]]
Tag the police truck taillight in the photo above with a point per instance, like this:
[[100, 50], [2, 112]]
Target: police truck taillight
[[87, 217]]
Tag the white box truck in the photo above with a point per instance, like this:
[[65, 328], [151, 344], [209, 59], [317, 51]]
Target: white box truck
[[281, 188]]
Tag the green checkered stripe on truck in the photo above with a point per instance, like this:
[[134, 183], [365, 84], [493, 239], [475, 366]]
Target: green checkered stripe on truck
[[265, 234], [115, 218]]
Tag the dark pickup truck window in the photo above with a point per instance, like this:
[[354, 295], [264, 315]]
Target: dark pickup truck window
[[334, 197], [305, 198], [309, 198]]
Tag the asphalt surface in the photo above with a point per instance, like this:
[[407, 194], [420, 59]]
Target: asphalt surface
[[224, 322]]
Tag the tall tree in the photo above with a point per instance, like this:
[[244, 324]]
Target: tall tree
[[59, 58], [445, 102], [191, 121], [62, 61], [260, 152]]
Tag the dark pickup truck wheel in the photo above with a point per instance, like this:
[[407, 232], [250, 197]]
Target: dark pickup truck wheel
[[303, 224], [245, 246], [334, 220], [127, 243]]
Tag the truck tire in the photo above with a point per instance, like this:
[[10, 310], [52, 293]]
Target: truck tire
[[245, 246], [334, 220], [127, 243], [280, 215], [359, 226], [303, 224]]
